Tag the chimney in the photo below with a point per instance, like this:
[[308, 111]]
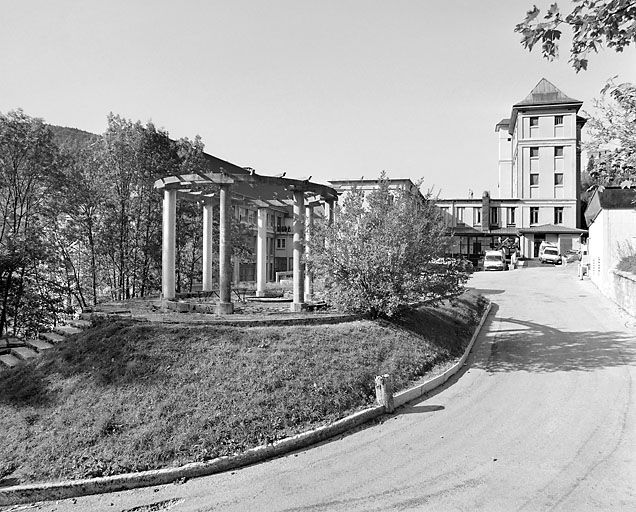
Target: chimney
[[485, 211]]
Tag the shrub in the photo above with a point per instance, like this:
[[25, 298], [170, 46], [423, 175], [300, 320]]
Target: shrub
[[384, 252]]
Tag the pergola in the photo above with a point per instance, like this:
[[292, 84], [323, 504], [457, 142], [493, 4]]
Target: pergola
[[263, 192]]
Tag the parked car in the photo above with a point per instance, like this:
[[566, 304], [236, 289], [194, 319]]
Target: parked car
[[494, 260], [550, 255]]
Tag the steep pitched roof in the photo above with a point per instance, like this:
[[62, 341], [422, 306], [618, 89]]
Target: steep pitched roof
[[545, 93]]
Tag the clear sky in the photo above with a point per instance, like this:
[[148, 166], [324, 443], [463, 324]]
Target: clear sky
[[325, 88]]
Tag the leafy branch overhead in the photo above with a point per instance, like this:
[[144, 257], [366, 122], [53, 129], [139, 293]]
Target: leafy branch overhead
[[594, 24]]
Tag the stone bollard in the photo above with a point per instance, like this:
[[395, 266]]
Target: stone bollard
[[384, 392]]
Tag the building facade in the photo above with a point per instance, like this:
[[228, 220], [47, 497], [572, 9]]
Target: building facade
[[539, 179]]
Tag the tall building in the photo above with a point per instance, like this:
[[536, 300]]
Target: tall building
[[539, 171]]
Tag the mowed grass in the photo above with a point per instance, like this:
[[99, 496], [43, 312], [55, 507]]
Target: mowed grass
[[127, 396]]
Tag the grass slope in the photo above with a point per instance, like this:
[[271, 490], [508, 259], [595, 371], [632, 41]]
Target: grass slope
[[127, 396]]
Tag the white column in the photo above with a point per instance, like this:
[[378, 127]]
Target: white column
[[261, 252], [225, 305], [309, 276], [168, 243], [299, 225], [208, 217]]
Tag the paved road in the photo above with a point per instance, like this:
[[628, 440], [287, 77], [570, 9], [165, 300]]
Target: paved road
[[543, 419]]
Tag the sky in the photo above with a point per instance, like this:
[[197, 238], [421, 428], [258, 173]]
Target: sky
[[331, 89]]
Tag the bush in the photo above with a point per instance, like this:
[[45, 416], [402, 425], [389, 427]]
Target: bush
[[384, 252]]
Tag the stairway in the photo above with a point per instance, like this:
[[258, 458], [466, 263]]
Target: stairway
[[14, 351]]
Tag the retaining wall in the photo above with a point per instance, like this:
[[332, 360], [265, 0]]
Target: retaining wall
[[622, 289]]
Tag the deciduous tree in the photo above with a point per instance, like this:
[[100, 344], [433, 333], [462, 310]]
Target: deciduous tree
[[613, 136]]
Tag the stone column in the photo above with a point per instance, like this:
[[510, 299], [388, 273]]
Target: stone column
[[261, 252], [309, 275], [329, 211], [168, 243], [298, 227], [225, 305], [208, 230]]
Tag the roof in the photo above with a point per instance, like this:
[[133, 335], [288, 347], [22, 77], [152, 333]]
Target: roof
[[544, 94], [465, 230], [610, 198], [551, 228], [504, 123]]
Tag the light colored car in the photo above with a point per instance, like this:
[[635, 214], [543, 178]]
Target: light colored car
[[494, 260], [550, 255]]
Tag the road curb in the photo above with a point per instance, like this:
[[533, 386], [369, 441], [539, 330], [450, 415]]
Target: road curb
[[415, 392], [21, 494]]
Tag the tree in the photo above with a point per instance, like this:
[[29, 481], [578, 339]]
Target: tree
[[384, 252], [612, 131], [593, 23], [29, 180]]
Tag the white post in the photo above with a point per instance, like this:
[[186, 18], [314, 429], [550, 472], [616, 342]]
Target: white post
[[299, 225], [168, 243], [261, 252], [384, 392], [309, 276], [225, 305], [208, 217]]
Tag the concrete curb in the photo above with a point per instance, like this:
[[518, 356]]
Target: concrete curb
[[325, 319], [73, 488], [417, 391]]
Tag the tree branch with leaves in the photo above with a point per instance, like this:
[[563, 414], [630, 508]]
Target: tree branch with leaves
[[593, 23]]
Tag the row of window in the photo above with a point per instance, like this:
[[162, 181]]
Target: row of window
[[511, 213], [534, 121], [558, 126], [558, 152], [558, 179]]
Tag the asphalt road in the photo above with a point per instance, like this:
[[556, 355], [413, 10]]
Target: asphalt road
[[543, 418]]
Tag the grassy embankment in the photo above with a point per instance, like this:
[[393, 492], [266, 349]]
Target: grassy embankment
[[129, 396]]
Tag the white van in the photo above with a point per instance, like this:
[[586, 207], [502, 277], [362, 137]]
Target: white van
[[494, 260], [549, 253]]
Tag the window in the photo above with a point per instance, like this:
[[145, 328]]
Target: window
[[510, 216], [558, 215], [534, 215], [534, 152], [534, 180], [459, 213], [558, 152], [281, 243], [477, 216], [558, 179], [534, 126], [494, 216], [558, 120]]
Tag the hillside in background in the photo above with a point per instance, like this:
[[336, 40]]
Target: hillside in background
[[71, 138]]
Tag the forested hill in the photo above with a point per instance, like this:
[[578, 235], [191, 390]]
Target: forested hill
[[71, 138]]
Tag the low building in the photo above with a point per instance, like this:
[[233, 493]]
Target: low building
[[611, 218]]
